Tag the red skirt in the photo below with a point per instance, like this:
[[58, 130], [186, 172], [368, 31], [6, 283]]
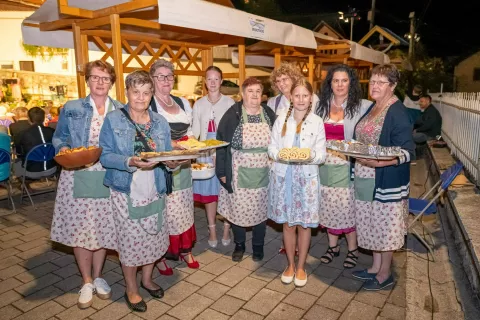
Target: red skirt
[[204, 199], [181, 243]]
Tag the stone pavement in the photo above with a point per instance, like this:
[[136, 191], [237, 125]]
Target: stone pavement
[[40, 280]]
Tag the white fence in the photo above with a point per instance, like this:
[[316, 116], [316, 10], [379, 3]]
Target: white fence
[[461, 127]]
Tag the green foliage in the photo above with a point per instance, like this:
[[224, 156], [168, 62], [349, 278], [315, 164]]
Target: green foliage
[[45, 53]]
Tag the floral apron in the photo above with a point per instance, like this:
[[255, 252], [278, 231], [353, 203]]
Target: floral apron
[[247, 205]]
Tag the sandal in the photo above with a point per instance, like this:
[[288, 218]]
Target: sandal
[[226, 242], [330, 254], [212, 243], [352, 263]]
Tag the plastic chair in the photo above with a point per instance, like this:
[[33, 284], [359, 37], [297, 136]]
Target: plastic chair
[[423, 207], [5, 174], [41, 153]]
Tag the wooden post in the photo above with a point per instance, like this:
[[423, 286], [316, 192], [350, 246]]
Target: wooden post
[[278, 59], [117, 56], [311, 69], [207, 60], [80, 42], [241, 64]]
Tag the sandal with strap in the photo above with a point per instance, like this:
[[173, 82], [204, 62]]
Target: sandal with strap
[[352, 263], [330, 254]]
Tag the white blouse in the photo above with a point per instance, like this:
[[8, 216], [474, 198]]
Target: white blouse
[[181, 117], [203, 111]]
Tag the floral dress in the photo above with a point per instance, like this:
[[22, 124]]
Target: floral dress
[[139, 241], [293, 199], [83, 222], [380, 226]]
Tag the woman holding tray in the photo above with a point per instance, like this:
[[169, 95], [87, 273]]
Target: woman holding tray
[[293, 193], [82, 216], [207, 113], [180, 210], [341, 106], [382, 186], [243, 167]]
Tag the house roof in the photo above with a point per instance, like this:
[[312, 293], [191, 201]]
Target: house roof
[[324, 24], [387, 33], [20, 5]]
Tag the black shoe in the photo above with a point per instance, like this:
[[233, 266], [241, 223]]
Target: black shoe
[[238, 252], [156, 293], [257, 256], [138, 307]]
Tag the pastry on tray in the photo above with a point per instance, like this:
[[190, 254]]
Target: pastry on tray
[[292, 154], [147, 155]]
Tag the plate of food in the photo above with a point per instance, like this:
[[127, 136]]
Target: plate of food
[[78, 157], [202, 171], [170, 155], [357, 149], [296, 155], [201, 146]]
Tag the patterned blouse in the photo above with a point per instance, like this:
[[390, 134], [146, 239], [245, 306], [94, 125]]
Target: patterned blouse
[[138, 145], [237, 141]]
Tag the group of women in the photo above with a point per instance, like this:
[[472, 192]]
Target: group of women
[[145, 210]]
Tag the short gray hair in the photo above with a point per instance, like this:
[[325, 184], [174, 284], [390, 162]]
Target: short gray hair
[[138, 77], [159, 64]]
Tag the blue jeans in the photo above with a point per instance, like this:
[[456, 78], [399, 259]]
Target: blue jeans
[[258, 236]]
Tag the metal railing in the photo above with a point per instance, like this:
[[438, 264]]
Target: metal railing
[[461, 127]]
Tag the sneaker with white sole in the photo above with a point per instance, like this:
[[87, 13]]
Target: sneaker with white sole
[[102, 289], [86, 296]]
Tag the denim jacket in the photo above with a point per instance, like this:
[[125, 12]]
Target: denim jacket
[[73, 126], [117, 140]]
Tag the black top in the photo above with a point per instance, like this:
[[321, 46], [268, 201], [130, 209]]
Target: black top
[[430, 123], [17, 129], [32, 137], [225, 132]]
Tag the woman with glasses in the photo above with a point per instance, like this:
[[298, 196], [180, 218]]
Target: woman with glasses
[[341, 106], [207, 113], [82, 217], [382, 186], [179, 216]]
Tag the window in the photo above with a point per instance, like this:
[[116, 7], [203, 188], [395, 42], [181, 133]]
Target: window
[[476, 74], [27, 65], [6, 66]]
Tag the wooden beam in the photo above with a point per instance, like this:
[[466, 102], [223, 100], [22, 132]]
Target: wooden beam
[[64, 8], [125, 7], [93, 23], [230, 75], [204, 68], [333, 46], [58, 24], [78, 43], [117, 56], [140, 23], [311, 67], [241, 64], [278, 59]]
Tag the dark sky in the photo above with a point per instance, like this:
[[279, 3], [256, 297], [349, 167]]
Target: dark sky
[[446, 28]]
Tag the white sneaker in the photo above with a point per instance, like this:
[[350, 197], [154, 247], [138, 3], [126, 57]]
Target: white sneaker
[[86, 296], [102, 289]]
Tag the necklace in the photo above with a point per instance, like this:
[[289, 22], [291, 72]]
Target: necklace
[[214, 102], [165, 103]]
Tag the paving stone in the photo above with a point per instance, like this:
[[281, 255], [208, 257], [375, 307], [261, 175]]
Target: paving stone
[[36, 272], [358, 310], [347, 284], [391, 311], [42, 312], [112, 277], [69, 298], [69, 283], [190, 307], [9, 297], [316, 286], [213, 290], [67, 271], [179, 292], [36, 235], [131, 316], [64, 260], [279, 286], [9, 284], [264, 301], [10, 236], [166, 317], [114, 311], [228, 305], [9, 262], [9, 312], [38, 284], [10, 243], [247, 288], [32, 229], [40, 259], [325, 271], [207, 257], [11, 271], [219, 266], [167, 281], [233, 276], [265, 274], [200, 278], [278, 263], [155, 309], [300, 299], [75, 313], [8, 253], [372, 298], [398, 296], [318, 312], [13, 228], [251, 265], [38, 298], [335, 299], [35, 251], [286, 312], [210, 314], [246, 315], [118, 291]]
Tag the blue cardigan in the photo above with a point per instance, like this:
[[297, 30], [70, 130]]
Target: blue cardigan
[[392, 183]]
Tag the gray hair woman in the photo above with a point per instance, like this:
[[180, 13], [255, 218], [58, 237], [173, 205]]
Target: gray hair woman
[[137, 187]]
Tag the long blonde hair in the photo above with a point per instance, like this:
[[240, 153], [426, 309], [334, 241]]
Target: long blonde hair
[[302, 82]]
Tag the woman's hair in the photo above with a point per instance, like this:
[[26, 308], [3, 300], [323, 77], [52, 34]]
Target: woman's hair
[[138, 77], [302, 82], [285, 68], [251, 81], [214, 68], [54, 111], [102, 65], [389, 71], [354, 93], [161, 63]]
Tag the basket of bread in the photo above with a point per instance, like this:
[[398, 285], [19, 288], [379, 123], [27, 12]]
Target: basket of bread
[[78, 157]]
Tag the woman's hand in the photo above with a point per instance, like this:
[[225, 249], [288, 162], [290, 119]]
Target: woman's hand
[[139, 163], [63, 149], [223, 179], [376, 163], [176, 146], [175, 163]]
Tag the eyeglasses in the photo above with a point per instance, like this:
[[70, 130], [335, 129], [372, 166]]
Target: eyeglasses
[[162, 78], [380, 83], [97, 78]]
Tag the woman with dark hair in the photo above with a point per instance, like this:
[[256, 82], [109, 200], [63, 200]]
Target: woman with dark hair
[[207, 113], [382, 186], [341, 106]]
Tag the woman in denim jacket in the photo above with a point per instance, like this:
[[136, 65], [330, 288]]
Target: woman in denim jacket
[[82, 217], [137, 187]]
